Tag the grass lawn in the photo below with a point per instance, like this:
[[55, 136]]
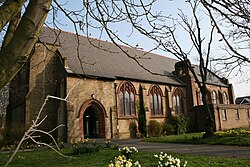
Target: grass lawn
[[196, 138], [48, 158]]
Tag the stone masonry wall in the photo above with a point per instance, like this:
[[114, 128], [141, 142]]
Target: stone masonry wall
[[46, 75], [231, 120], [104, 92]]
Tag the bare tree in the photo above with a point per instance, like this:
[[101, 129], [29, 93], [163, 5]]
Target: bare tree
[[162, 29], [232, 21], [102, 16]]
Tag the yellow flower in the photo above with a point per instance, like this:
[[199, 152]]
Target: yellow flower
[[120, 158]]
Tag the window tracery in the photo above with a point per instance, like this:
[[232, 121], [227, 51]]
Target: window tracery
[[155, 96], [178, 101], [127, 99]]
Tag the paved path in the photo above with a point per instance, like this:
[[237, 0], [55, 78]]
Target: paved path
[[211, 150]]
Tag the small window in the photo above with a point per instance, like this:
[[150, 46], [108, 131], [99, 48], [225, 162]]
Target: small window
[[248, 113], [236, 114], [224, 114], [200, 96]]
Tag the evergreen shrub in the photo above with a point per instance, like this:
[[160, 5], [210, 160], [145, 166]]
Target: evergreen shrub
[[142, 126], [154, 128], [180, 124], [167, 129]]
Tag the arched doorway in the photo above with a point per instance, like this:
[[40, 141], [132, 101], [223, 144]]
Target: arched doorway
[[91, 123], [92, 120]]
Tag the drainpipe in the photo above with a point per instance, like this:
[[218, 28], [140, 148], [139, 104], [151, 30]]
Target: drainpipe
[[117, 124], [111, 123]]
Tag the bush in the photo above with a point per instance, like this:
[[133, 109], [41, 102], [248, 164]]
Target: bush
[[84, 148], [13, 134], [132, 130], [154, 128], [180, 124], [167, 129]]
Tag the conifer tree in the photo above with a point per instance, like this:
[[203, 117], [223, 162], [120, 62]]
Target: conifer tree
[[142, 114]]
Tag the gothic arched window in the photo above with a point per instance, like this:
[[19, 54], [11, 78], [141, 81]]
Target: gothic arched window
[[155, 96], [214, 97], [178, 101], [127, 99], [225, 99]]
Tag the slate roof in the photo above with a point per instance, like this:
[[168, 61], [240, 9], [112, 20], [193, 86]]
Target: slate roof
[[105, 60], [243, 100], [211, 77], [109, 61]]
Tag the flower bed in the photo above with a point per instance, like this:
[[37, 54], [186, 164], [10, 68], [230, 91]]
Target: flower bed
[[125, 159]]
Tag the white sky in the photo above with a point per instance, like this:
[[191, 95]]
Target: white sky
[[167, 7]]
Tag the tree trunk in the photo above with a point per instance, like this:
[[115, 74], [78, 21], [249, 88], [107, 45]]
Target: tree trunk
[[17, 51], [8, 10], [209, 122], [11, 30]]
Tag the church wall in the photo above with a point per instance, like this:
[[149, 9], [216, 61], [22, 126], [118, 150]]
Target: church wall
[[46, 75], [104, 92], [226, 116], [125, 123], [218, 89], [82, 90]]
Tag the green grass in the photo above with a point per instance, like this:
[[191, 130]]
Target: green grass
[[196, 138], [48, 158]]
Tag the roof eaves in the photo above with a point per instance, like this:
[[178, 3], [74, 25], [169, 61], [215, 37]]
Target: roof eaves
[[150, 81]]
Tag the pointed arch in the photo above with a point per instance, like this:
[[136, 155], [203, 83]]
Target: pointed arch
[[96, 110], [126, 95], [225, 98], [155, 98], [209, 97], [178, 101], [214, 97]]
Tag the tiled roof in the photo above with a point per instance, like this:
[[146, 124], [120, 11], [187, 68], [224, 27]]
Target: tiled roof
[[211, 77], [107, 61], [96, 58]]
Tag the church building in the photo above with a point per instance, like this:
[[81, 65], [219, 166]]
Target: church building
[[101, 86]]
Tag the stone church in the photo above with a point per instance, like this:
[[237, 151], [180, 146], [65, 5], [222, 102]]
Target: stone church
[[101, 85]]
